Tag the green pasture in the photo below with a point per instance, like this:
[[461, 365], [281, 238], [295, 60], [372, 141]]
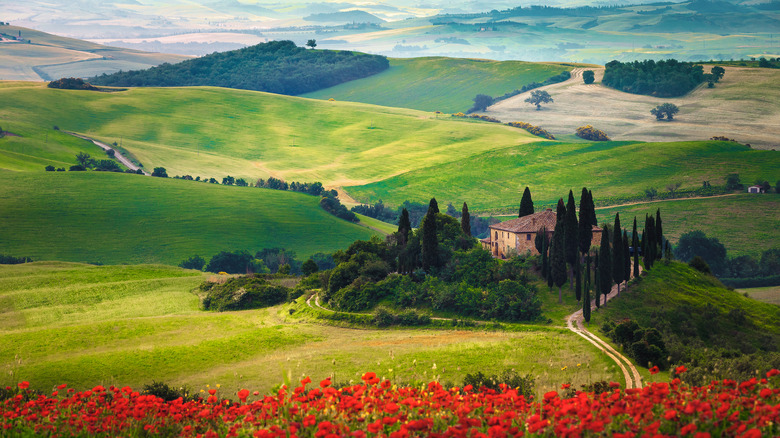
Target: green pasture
[[214, 132], [101, 217], [440, 84], [130, 325], [745, 223], [377, 225], [494, 181]]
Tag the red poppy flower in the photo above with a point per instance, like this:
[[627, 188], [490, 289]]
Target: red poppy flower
[[681, 369], [654, 370], [325, 383], [773, 372], [243, 394], [24, 385]]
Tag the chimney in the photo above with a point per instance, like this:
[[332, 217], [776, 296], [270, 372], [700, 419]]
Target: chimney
[[533, 220], [549, 209]]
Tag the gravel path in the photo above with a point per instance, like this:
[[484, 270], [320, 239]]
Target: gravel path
[[121, 158]]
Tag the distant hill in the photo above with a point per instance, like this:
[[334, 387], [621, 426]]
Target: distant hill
[[440, 84], [141, 219], [345, 17], [276, 67], [31, 55]]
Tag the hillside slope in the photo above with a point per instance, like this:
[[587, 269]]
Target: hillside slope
[[101, 217], [40, 56], [744, 105], [214, 132], [440, 84]]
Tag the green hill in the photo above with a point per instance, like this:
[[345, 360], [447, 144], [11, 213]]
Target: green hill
[[215, 132], [40, 56], [494, 181], [746, 224], [440, 84], [100, 217], [131, 325]]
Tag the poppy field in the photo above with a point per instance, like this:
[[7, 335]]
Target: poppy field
[[378, 408]]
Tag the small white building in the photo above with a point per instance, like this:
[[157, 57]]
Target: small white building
[[755, 189]]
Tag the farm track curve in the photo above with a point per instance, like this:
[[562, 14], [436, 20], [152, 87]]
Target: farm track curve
[[121, 158]]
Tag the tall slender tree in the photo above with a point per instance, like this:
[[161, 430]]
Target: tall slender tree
[[586, 298], [433, 206], [404, 227], [592, 209], [597, 280], [585, 229], [578, 278], [659, 234], [571, 238], [626, 259], [617, 253], [587, 281], [526, 204], [560, 211], [649, 251], [465, 220], [541, 243], [635, 245], [558, 257], [605, 265], [430, 242]]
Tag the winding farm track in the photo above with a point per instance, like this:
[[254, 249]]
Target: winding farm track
[[121, 158]]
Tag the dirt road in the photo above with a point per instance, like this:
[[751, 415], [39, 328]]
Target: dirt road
[[122, 159]]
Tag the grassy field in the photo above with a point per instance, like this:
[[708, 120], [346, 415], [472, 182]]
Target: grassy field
[[215, 132], [100, 217], [48, 57], [744, 223], [494, 181], [130, 325], [440, 84]]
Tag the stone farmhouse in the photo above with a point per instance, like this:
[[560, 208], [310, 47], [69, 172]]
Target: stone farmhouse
[[517, 236]]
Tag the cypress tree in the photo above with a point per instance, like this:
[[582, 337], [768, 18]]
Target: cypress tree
[[558, 258], [572, 241], [433, 206], [404, 227], [617, 253], [560, 211], [635, 245], [584, 228], [605, 266], [626, 259], [526, 204], [430, 242], [659, 234], [592, 209], [650, 243], [540, 242], [597, 281], [465, 220], [586, 298], [578, 279], [587, 272]]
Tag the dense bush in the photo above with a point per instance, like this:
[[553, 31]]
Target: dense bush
[[167, 393], [523, 384], [588, 132], [231, 262], [533, 129], [276, 67], [334, 207], [377, 211], [700, 265], [72, 84], [240, 293], [669, 78], [385, 317], [11, 260], [645, 345], [195, 262]]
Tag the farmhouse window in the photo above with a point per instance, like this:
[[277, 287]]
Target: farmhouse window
[[528, 236]]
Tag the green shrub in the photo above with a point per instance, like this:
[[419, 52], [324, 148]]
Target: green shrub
[[700, 265], [195, 262], [588, 132], [523, 384], [165, 392], [240, 293]]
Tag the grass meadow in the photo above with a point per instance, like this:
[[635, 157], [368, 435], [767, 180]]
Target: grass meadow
[[746, 224], [770, 294], [440, 84], [129, 325], [110, 218], [494, 181], [215, 132]]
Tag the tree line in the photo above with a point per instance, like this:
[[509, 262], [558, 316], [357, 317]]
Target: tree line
[[275, 67], [667, 78]]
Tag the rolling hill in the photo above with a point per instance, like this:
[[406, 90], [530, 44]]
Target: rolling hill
[[102, 217], [440, 84], [214, 132], [494, 181], [40, 56]]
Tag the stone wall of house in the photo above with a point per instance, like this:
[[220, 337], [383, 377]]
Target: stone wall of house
[[503, 242]]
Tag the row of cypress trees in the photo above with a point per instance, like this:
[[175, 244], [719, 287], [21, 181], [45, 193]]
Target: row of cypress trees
[[570, 247]]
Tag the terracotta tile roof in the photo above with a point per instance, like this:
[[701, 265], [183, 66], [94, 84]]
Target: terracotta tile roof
[[531, 223]]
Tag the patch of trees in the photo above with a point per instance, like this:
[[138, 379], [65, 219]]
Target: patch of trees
[[588, 132], [276, 67], [314, 189], [240, 293], [85, 161], [377, 211], [332, 205], [668, 78], [563, 76], [533, 129], [644, 344], [741, 271], [265, 261], [667, 110], [11, 260], [72, 84]]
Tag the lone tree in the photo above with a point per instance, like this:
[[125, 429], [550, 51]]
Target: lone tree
[[84, 160], [430, 242], [538, 97], [481, 102], [526, 204], [588, 76], [717, 72], [311, 43], [465, 220], [665, 109], [585, 228], [558, 256], [161, 173], [404, 227]]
